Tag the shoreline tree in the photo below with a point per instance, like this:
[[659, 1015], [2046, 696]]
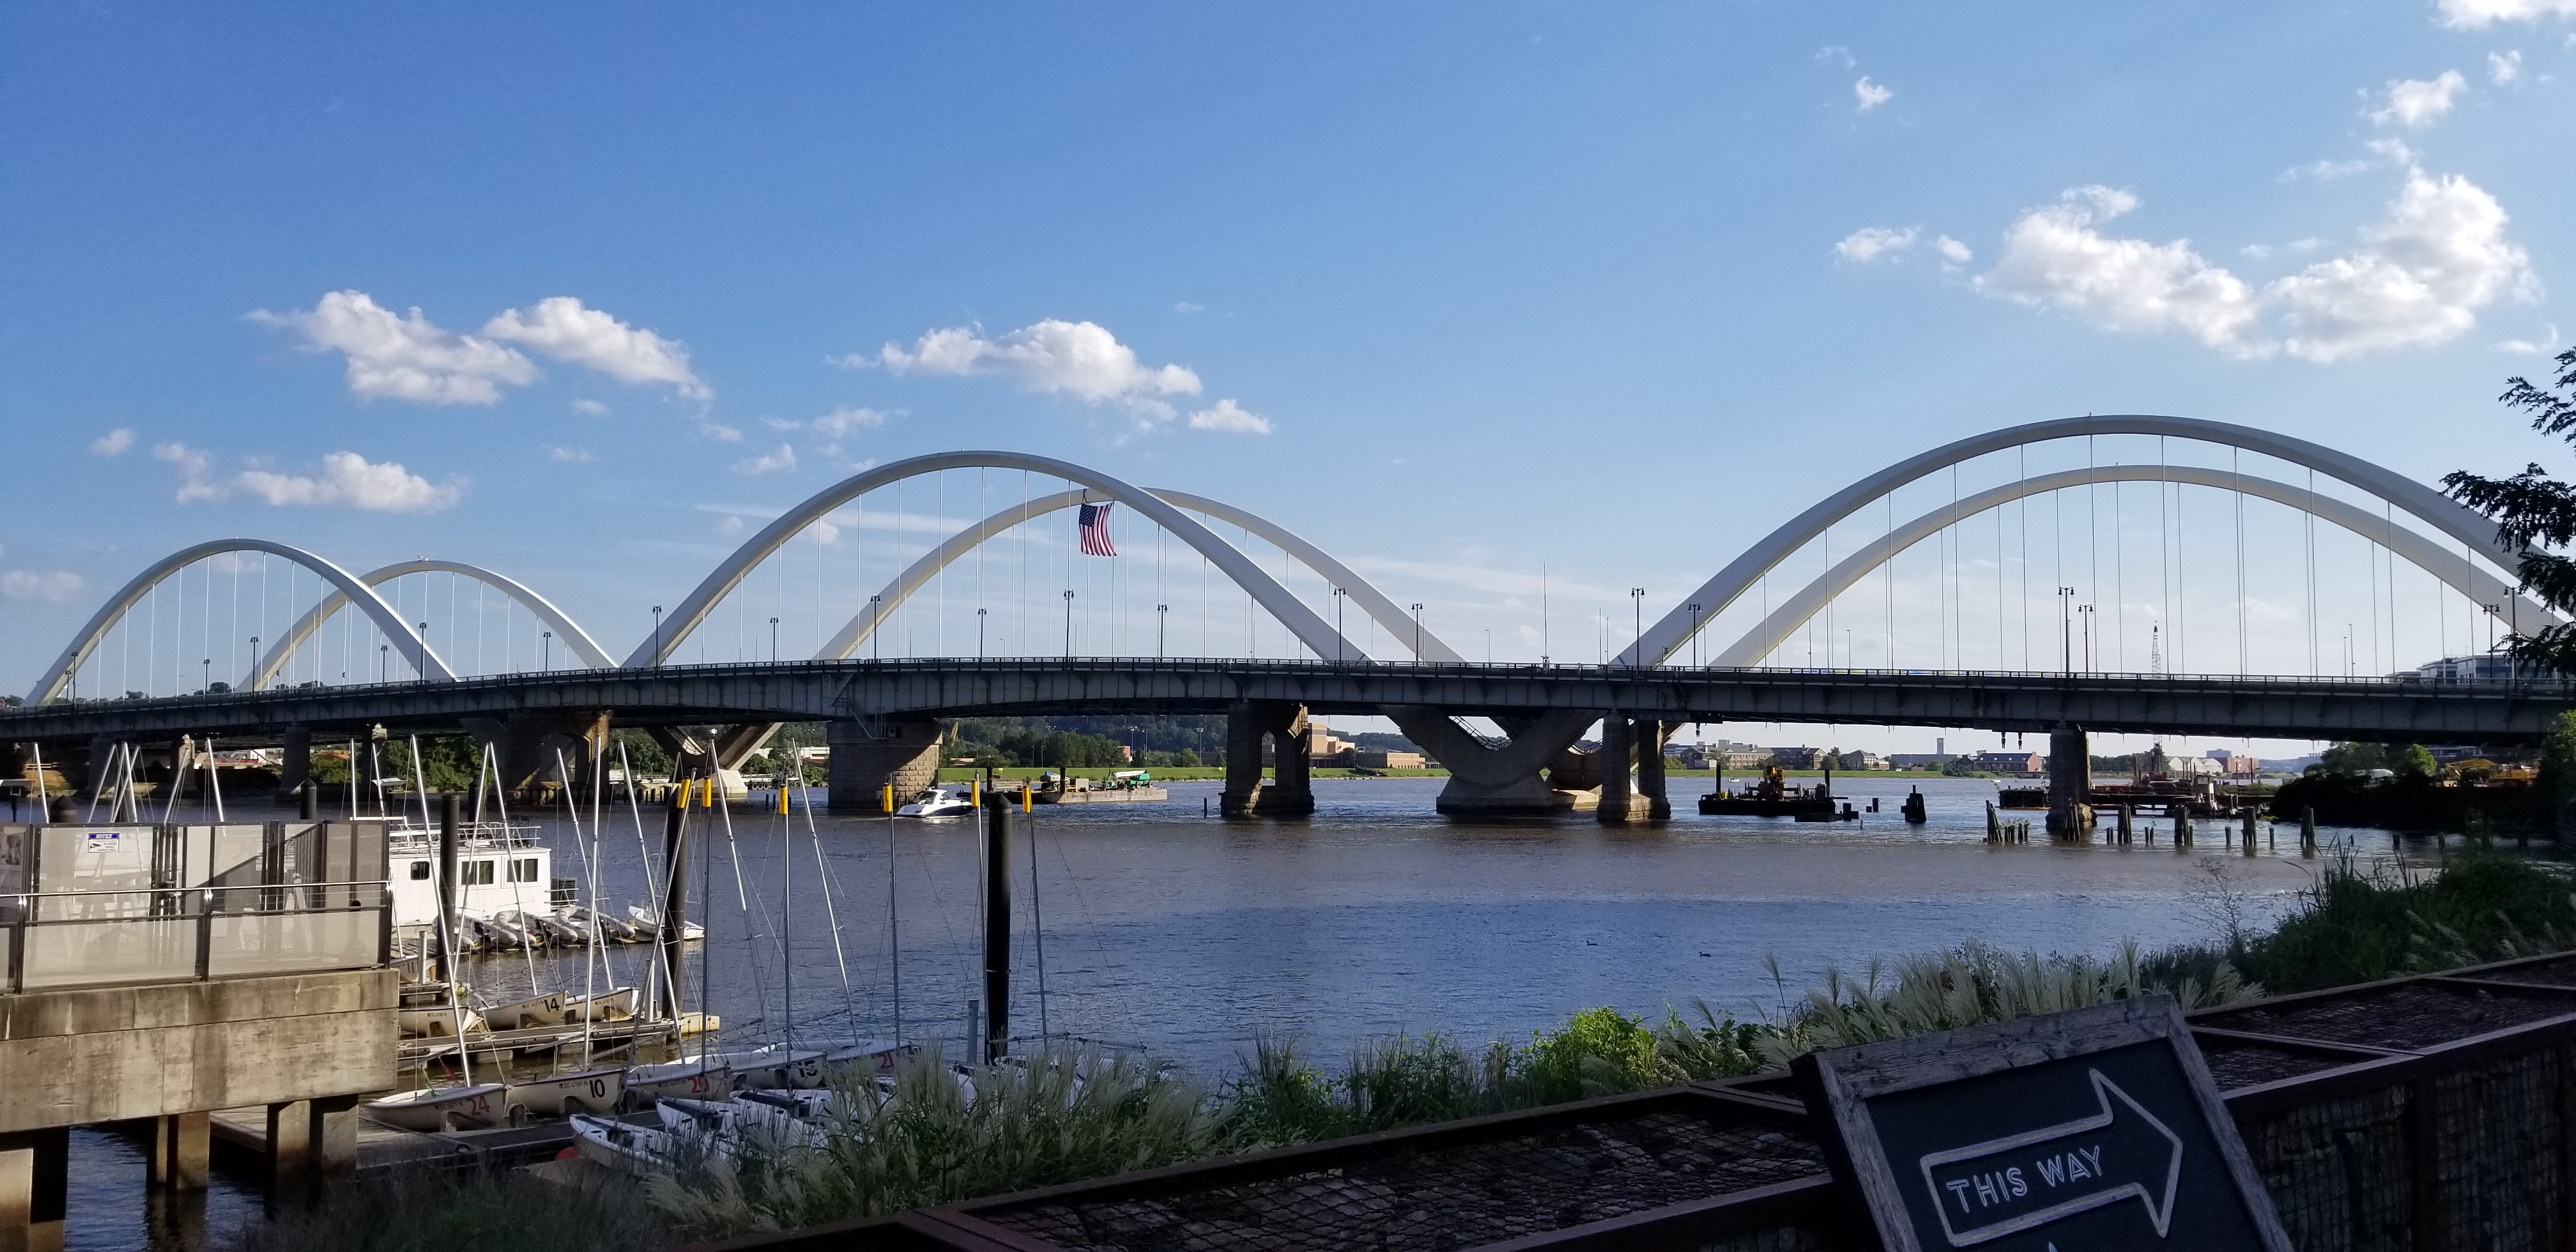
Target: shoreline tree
[[2535, 516]]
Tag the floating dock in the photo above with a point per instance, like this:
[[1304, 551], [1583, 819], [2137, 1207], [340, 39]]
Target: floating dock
[[1105, 795]]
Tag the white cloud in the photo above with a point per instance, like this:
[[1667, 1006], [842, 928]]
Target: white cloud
[[1835, 54], [2543, 346], [1953, 251], [1189, 306], [731, 526], [840, 422], [2053, 257], [1870, 95], [113, 443], [193, 464], [1079, 358], [2478, 13], [769, 462], [2416, 103], [720, 432], [560, 327], [404, 358], [1231, 418], [352, 481], [591, 408], [561, 453], [2420, 275], [1872, 242], [2504, 67], [53, 587]]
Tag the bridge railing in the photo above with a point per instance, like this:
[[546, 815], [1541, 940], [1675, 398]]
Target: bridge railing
[[2538, 687]]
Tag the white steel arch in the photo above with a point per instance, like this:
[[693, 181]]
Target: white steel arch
[[576, 640], [692, 611], [1382, 609], [1672, 632], [2451, 567], [430, 665]]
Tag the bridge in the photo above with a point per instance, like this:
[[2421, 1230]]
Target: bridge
[[1703, 659]]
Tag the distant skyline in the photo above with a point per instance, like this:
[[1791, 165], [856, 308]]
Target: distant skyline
[[1464, 293]]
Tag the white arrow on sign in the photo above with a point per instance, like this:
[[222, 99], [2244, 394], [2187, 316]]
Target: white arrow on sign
[[1988, 1190]]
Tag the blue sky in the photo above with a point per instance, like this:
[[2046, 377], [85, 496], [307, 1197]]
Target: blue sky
[[1458, 291]]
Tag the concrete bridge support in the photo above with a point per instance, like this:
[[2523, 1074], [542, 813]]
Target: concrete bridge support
[[1291, 791], [524, 745], [1632, 770], [35, 1189], [1537, 773], [2070, 781], [295, 760], [869, 755]]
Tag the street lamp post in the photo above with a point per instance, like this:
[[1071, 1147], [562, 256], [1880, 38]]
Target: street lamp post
[[420, 663], [1637, 627], [206, 676], [773, 641], [2087, 611], [979, 634], [546, 657], [1417, 634], [1162, 627], [1694, 610], [1068, 623], [254, 660], [2066, 629], [1339, 595], [657, 636], [384, 661], [876, 644]]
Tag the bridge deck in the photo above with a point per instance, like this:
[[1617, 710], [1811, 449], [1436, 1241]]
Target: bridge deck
[[2294, 708]]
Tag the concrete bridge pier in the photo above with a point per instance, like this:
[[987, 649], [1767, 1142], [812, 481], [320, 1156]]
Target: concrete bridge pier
[[35, 1189], [1538, 772], [524, 746], [295, 761], [869, 754], [1649, 737], [1291, 791], [1625, 746], [2070, 781]]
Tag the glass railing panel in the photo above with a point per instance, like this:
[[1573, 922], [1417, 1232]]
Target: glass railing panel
[[277, 943], [122, 950]]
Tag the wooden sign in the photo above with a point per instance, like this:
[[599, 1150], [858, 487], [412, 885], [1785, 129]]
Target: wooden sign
[[2091, 1130]]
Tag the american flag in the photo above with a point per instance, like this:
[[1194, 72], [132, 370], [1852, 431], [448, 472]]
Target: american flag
[[1095, 530]]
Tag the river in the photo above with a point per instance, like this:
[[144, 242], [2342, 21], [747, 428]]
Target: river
[[1188, 934]]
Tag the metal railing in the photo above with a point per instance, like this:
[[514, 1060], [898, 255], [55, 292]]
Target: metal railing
[[2543, 687], [52, 940]]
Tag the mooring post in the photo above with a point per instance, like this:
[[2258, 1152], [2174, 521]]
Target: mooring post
[[674, 920], [2308, 831], [448, 819], [2126, 813], [997, 928]]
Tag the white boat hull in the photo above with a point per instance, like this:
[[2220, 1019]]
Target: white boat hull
[[445, 1108]]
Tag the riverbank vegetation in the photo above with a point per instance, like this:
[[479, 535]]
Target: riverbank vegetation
[[1034, 1125]]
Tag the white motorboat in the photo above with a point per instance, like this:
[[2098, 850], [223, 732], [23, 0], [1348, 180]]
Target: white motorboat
[[649, 922], [612, 929], [628, 1149], [445, 1108], [590, 1091], [544, 1010], [705, 1078], [938, 802]]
